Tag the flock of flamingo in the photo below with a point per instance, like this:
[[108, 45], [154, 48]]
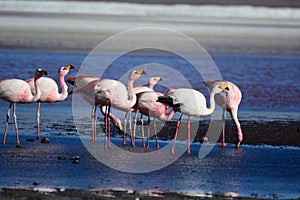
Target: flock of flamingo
[[107, 93]]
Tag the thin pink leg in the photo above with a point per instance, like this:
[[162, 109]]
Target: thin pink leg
[[125, 124], [189, 135], [176, 133], [108, 132], [6, 123], [16, 125], [222, 143], [130, 130], [93, 116], [143, 131], [38, 121], [148, 136], [155, 132], [134, 123]]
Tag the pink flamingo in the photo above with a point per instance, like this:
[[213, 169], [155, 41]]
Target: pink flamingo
[[191, 103], [147, 104], [18, 91], [82, 81], [113, 93], [49, 91], [138, 91], [229, 101]]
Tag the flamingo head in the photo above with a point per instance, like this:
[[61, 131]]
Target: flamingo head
[[63, 71], [39, 73], [135, 74], [154, 80], [218, 87]]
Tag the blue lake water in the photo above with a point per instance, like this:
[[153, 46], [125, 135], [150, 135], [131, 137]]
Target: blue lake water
[[269, 82]]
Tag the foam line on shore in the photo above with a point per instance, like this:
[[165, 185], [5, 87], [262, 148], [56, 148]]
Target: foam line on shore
[[132, 9]]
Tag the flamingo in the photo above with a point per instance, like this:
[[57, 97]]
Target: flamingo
[[18, 91], [147, 104], [190, 102], [113, 93], [138, 90], [82, 81], [49, 91], [229, 101]]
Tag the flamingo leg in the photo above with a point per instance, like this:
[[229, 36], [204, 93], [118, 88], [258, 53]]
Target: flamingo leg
[[176, 133], [93, 116], [233, 113], [38, 121], [222, 143], [148, 136], [143, 131], [134, 124], [125, 124], [130, 130], [6, 123], [189, 134], [16, 125], [108, 128], [155, 132]]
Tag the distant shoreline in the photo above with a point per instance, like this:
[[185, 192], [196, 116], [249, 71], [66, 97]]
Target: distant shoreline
[[265, 3]]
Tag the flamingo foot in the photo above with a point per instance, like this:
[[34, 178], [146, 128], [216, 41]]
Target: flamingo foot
[[189, 152], [172, 151], [223, 144], [132, 143], [3, 141], [237, 145], [157, 146]]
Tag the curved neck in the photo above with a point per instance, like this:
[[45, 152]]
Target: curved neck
[[170, 115], [38, 92], [130, 90], [64, 89], [212, 103]]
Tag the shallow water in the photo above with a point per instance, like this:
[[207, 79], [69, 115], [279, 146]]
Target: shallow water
[[252, 171], [270, 92], [269, 82]]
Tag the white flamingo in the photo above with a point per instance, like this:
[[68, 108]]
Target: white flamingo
[[49, 91], [229, 101], [191, 103], [18, 91]]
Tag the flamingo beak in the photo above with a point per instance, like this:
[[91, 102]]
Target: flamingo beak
[[43, 72], [158, 78], [68, 67], [120, 127], [225, 87], [140, 72]]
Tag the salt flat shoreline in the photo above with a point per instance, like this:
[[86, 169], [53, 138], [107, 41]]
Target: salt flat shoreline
[[216, 32]]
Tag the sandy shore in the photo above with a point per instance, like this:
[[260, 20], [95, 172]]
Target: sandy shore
[[217, 32]]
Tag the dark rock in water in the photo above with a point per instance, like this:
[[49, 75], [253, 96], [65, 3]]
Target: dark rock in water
[[45, 140], [36, 183], [19, 146], [61, 158], [75, 159], [29, 140]]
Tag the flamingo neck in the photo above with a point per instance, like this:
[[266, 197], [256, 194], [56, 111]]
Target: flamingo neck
[[38, 93], [170, 115], [64, 89], [131, 94], [150, 85], [212, 103]]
